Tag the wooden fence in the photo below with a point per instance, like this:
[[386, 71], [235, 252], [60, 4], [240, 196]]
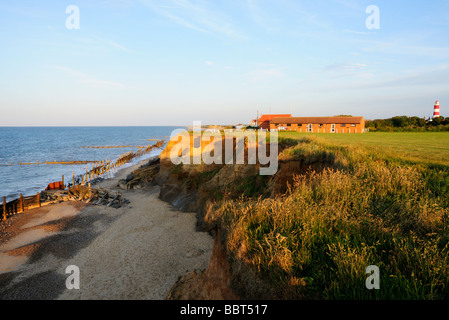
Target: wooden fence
[[19, 205], [99, 169]]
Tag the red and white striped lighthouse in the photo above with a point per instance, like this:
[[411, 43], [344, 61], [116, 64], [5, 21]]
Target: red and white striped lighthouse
[[436, 109]]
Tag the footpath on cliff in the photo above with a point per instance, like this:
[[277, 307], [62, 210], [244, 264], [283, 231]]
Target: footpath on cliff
[[137, 251]]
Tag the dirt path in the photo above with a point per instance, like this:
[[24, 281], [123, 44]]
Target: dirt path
[[134, 252]]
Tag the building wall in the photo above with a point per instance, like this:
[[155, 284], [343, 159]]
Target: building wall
[[264, 125], [324, 128]]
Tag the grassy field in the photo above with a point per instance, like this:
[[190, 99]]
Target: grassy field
[[418, 147], [383, 200]]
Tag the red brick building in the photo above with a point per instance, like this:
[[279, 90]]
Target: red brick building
[[319, 124], [265, 119]]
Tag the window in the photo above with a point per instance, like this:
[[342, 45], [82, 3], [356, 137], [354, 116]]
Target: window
[[333, 128], [299, 124], [310, 127], [353, 125], [321, 125], [342, 125]]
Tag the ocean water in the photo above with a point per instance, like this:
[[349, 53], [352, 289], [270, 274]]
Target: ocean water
[[32, 144]]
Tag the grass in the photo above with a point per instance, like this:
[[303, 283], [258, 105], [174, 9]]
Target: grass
[[418, 147], [384, 203]]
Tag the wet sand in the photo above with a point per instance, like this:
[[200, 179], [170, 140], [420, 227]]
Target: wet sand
[[137, 251]]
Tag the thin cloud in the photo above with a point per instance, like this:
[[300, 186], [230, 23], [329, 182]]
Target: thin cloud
[[111, 43], [431, 76], [358, 32], [438, 75], [199, 17], [260, 16], [337, 67], [86, 45], [88, 79], [264, 74], [339, 70], [406, 49], [118, 46]]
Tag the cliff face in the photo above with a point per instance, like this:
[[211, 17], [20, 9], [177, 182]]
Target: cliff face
[[190, 187], [194, 187]]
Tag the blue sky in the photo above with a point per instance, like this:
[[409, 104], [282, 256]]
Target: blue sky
[[172, 62]]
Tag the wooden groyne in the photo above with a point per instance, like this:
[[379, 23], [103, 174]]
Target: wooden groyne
[[19, 205], [99, 170], [71, 162], [112, 147], [142, 149], [103, 167], [157, 138]]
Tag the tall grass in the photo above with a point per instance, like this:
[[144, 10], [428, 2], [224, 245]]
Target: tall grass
[[317, 240]]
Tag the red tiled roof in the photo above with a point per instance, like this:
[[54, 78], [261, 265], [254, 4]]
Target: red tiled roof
[[269, 117], [319, 120]]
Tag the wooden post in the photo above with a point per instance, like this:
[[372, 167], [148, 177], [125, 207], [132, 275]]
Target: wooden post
[[73, 177], [63, 186], [22, 203], [38, 199], [4, 208]]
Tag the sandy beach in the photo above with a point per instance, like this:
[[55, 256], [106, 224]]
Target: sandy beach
[[137, 251]]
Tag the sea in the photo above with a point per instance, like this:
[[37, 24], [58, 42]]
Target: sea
[[32, 144]]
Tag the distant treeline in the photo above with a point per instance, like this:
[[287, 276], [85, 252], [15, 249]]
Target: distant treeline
[[405, 123]]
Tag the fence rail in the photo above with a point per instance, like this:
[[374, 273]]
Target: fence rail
[[99, 169]]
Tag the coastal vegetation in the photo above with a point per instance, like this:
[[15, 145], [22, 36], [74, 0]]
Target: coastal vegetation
[[408, 124], [352, 204]]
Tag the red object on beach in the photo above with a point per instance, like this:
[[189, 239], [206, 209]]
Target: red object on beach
[[58, 185]]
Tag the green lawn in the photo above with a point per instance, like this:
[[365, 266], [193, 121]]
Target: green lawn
[[419, 147]]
